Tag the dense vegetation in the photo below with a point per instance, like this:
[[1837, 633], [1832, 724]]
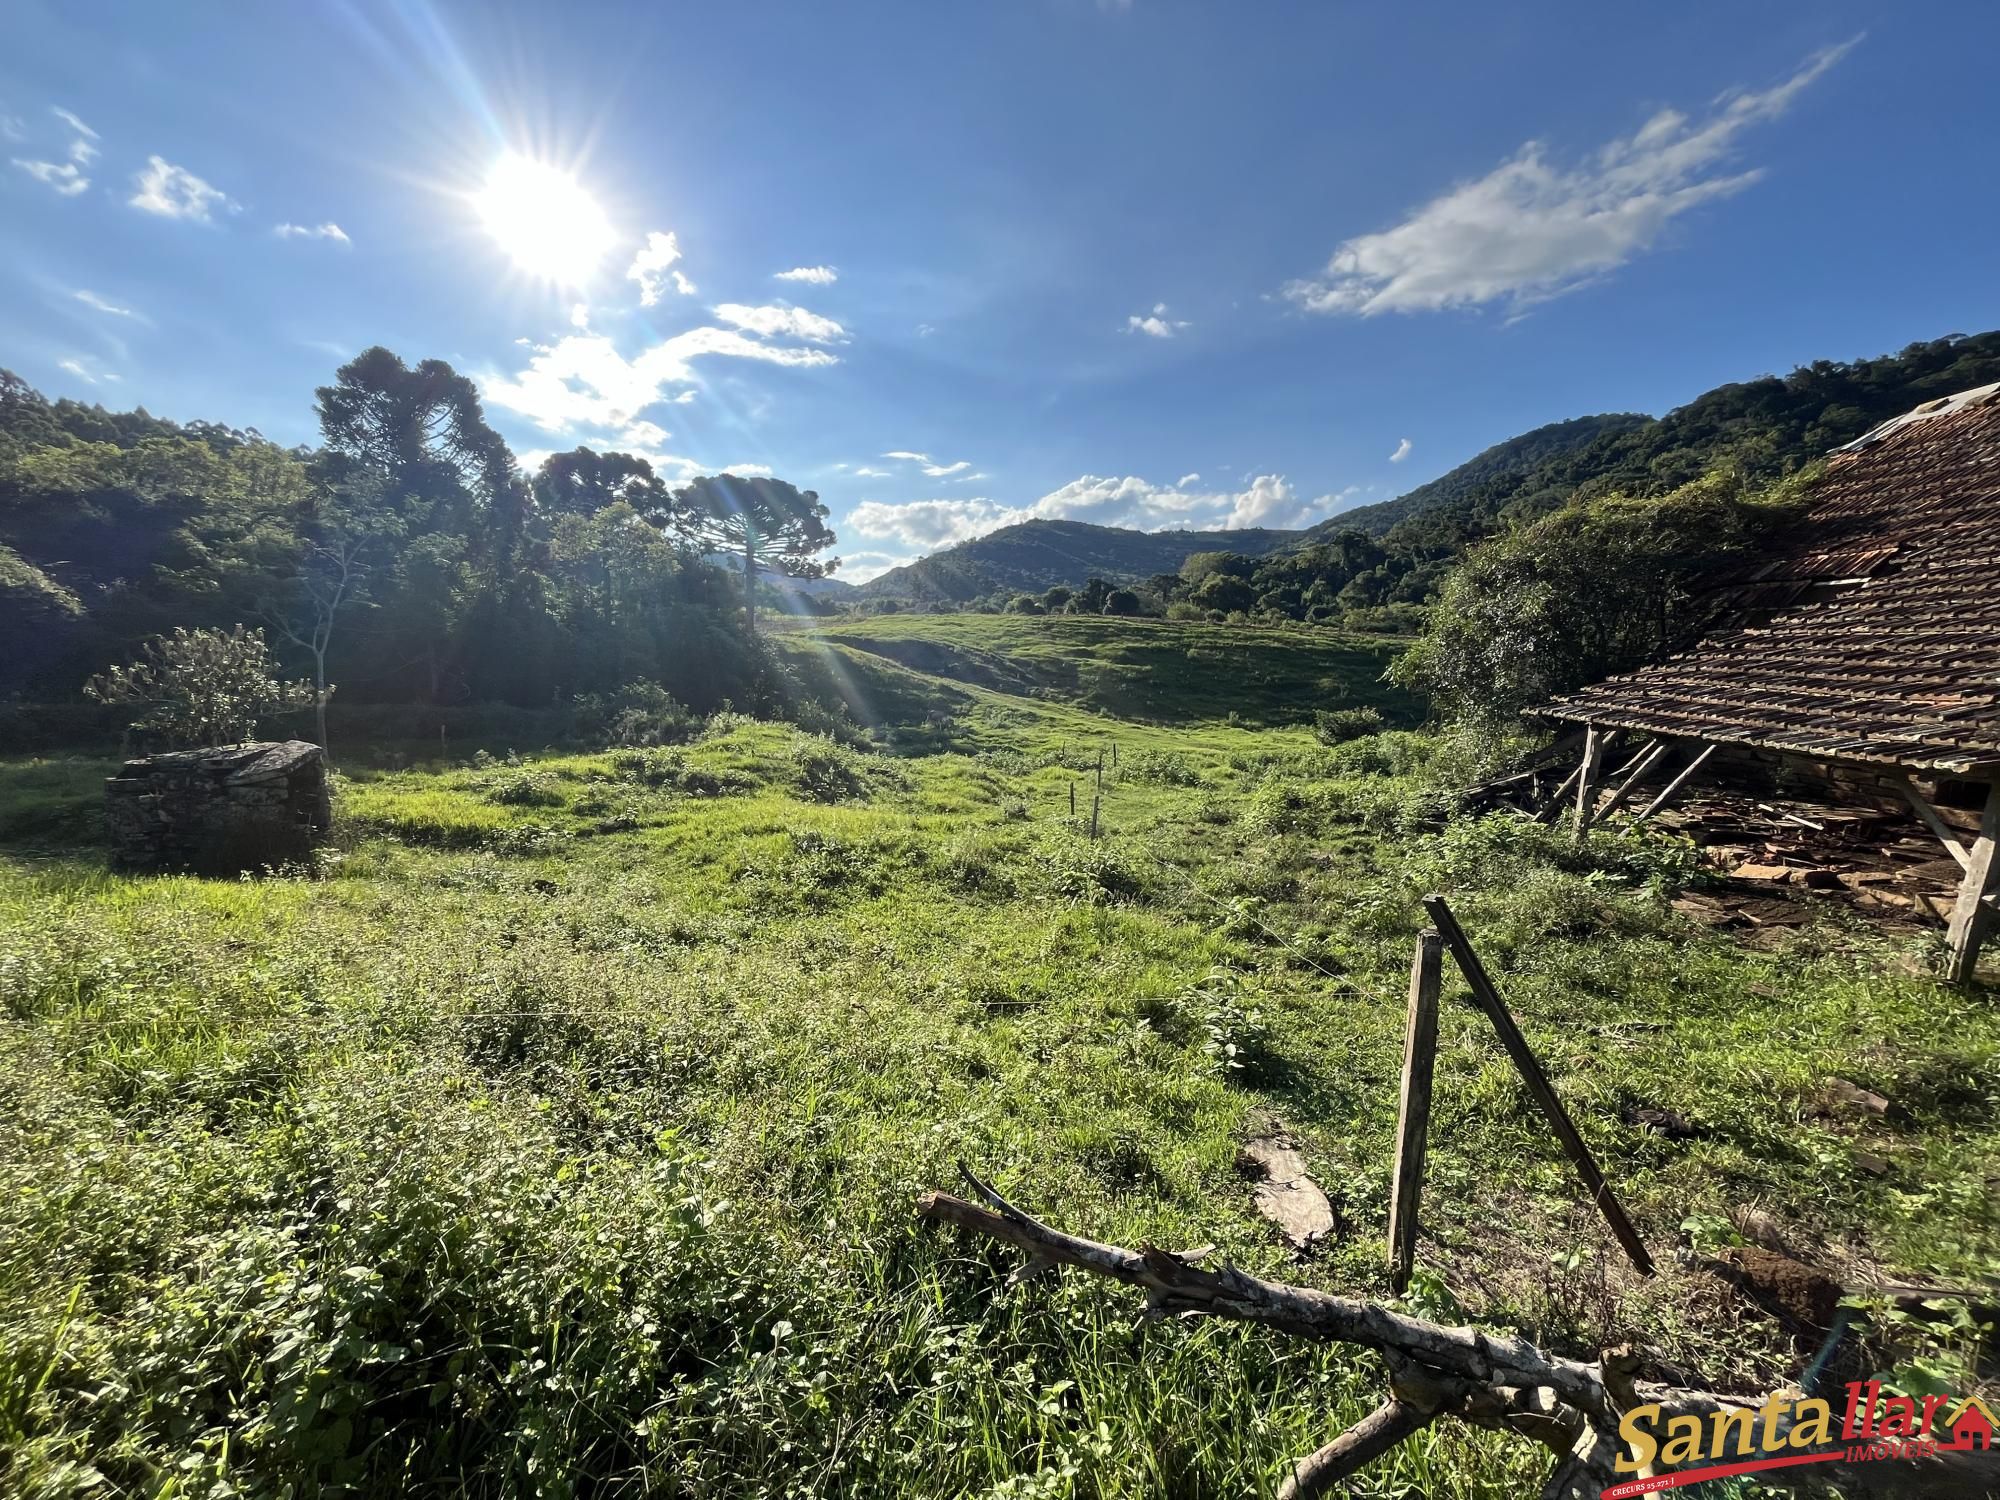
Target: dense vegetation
[[405, 560], [560, 1136]]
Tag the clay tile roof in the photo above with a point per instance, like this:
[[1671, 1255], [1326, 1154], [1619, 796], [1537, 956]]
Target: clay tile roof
[[1873, 632]]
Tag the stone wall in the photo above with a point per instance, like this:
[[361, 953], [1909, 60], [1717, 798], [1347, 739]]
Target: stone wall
[[246, 807]]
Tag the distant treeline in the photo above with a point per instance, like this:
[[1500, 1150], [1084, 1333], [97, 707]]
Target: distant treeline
[[407, 556], [1380, 566]]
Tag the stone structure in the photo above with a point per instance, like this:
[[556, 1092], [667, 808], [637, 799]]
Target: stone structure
[[244, 807]]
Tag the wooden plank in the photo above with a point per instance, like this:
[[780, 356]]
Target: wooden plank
[[1672, 788], [1639, 769], [1970, 916], [1539, 1088], [1552, 809], [1413, 1114], [1586, 782], [1928, 815]]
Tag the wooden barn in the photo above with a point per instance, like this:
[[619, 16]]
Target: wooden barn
[[1862, 657]]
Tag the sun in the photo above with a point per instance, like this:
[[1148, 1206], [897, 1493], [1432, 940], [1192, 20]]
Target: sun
[[544, 219]]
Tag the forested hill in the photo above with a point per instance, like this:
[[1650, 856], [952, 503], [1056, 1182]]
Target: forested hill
[[1496, 465], [1769, 427], [1035, 555]]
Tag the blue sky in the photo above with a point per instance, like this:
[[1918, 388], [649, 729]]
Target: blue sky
[[1151, 263]]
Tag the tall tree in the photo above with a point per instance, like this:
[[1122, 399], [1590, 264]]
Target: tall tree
[[423, 432], [582, 482], [771, 525]]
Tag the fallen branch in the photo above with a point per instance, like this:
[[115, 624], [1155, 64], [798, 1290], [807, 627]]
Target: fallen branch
[[1491, 1380]]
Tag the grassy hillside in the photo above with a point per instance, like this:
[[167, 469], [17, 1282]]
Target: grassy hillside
[[561, 1134], [1036, 555], [1156, 670]]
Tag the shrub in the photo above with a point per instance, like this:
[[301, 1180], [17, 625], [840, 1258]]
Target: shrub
[[823, 772], [1593, 589], [529, 789], [1336, 726], [201, 687], [1161, 768], [638, 714]]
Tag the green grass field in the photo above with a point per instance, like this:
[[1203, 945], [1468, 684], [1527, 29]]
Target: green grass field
[[561, 1134]]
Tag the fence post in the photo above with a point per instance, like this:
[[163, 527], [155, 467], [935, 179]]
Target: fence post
[[1539, 1088], [1413, 1116], [1094, 801]]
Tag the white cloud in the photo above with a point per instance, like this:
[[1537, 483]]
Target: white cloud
[[1185, 480], [864, 472], [747, 471], [327, 231], [64, 177], [579, 315], [860, 567], [926, 524], [816, 275], [1402, 452], [81, 368], [945, 471], [1265, 500], [92, 300], [781, 319], [1155, 324], [908, 457], [175, 193], [582, 380], [653, 268], [1531, 229], [73, 122]]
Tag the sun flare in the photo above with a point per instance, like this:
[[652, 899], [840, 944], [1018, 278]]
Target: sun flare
[[544, 219]]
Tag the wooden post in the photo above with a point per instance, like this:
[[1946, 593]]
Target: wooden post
[[1100, 768], [1094, 800], [1638, 769], [1586, 781], [1539, 1087], [1072, 799], [1672, 788], [1928, 816], [1114, 755], [1413, 1115], [443, 752], [1970, 916]]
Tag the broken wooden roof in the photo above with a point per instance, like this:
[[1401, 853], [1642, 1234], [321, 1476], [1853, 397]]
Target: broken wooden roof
[[1873, 632]]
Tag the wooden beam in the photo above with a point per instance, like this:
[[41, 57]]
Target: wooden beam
[[1971, 916], [1552, 809], [1413, 1115], [1539, 1088], [1930, 819], [1639, 769], [1672, 788], [1586, 781]]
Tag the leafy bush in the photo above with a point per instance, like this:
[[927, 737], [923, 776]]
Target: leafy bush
[[823, 771], [528, 789], [201, 687], [638, 714], [1597, 588], [1161, 768], [1336, 726]]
